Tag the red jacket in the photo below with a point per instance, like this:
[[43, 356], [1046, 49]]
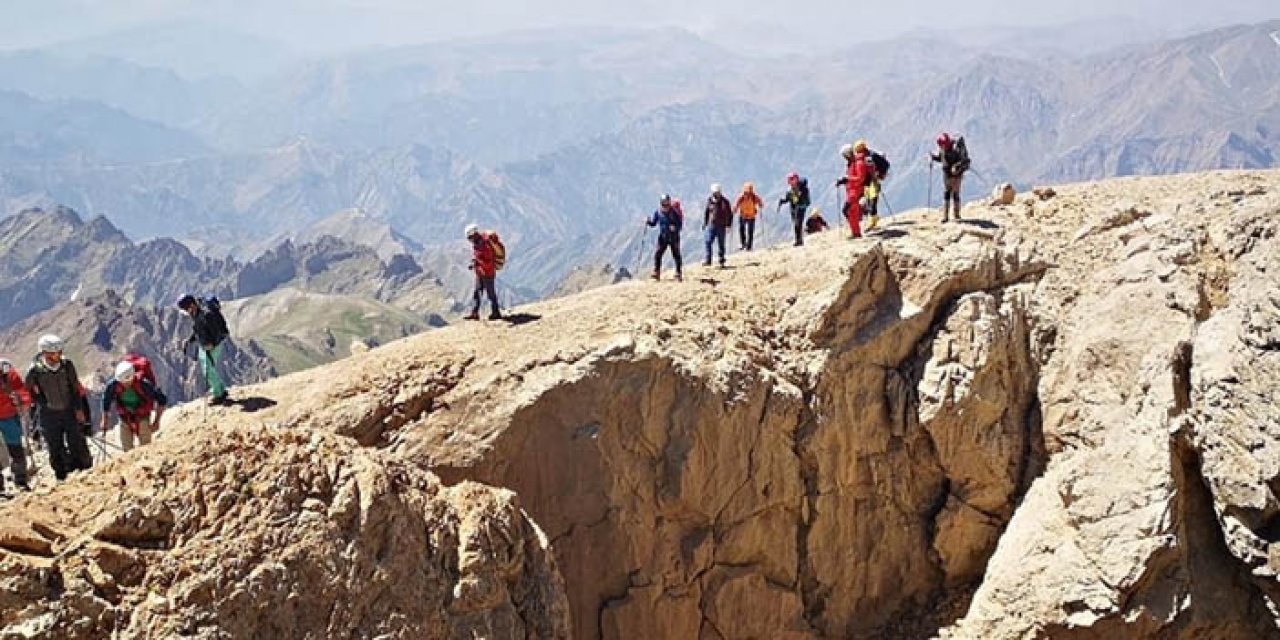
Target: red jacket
[[8, 388], [858, 175], [483, 260]]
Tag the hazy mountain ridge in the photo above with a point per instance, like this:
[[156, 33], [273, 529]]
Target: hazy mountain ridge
[[576, 187]]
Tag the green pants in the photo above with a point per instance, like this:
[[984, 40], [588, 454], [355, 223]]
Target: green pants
[[209, 365]]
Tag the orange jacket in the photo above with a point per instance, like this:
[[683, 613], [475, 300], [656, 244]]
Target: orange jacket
[[748, 205]]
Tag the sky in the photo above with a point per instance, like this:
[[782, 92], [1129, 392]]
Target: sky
[[328, 25]]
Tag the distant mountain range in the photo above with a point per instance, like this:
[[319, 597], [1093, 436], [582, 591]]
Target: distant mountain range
[[298, 304], [563, 140]]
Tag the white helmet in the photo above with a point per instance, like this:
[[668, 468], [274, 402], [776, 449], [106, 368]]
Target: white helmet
[[50, 343], [5, 367], [715, 188], [847, 151], [471, 230], [125, 372]]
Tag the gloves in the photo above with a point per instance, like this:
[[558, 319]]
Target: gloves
[[88, 429], [842, 182]]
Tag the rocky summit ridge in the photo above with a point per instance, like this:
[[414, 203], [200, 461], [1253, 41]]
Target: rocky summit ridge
[[1056, 419]]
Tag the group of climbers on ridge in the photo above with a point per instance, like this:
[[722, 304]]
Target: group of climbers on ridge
[[865, 172], [56, 403]]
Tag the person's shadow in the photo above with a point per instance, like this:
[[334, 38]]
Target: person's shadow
[[253, 404], [517, 319], [979, 223]]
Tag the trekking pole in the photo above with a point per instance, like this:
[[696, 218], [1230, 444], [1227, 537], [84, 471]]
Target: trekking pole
[[886, 202], [929, 202]]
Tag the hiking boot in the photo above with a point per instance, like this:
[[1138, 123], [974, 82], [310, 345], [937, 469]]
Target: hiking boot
[[679, 278], [474, 315], [798, 244], [707, 263], [496, 315], [218, 401], [723, 266], [655, 276], [875, 222]]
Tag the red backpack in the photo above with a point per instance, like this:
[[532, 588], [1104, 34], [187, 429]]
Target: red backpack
[[142, 367]]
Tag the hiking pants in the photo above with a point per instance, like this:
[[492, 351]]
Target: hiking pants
[[663, 243], [13, 454], [484, 285], [715, 234], [140, 429], [797, 221], [951, 192], [853, 213], [210, 361], [747, 232], [68, 450]]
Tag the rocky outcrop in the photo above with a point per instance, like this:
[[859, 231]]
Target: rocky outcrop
[[274, 533], [1050, 420]]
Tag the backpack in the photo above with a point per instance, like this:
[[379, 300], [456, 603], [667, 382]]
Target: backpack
[[142, 366], [803, 188], [499, 250], [963, 150], [213, 307], [881, 163]]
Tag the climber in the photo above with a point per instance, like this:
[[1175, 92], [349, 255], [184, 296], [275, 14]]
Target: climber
[[208, 331], [63, 408], [14, 399], [954, 156], [135, 398], [669, 219], [798, 197], [854, 182], [815, 223], [747, 207], [716, 222], [879, 166], [486, 253]]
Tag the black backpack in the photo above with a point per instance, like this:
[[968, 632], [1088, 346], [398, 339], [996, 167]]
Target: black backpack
[[963, 150], [881, 163], [213, 308]]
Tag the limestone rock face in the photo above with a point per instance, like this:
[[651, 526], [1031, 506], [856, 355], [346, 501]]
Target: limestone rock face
[[1051, 420], [273, 534]]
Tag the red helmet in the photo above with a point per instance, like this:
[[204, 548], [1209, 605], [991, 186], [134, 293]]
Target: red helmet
[[793, 178], [944, 140]]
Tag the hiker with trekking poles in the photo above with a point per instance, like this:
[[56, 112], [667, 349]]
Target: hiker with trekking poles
[[859, 171], [136, 399], [14, 399], [798, 197], [747, 206], [61, 407], [669, 219], [953, 155]]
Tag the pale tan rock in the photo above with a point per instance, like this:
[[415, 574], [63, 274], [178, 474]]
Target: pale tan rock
[[1012, 427], [274, 533]]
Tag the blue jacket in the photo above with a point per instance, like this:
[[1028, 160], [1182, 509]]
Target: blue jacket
[[669, 222]]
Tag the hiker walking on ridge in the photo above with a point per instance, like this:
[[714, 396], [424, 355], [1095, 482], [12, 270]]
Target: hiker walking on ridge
[[747, 207], [669, 219], [63, 408], [815, 223], [879, 166], [798, 197], [488, 255], [134, 395], [954, 157], [854, 181], [14, 399], [716, 222], [208, 331]]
